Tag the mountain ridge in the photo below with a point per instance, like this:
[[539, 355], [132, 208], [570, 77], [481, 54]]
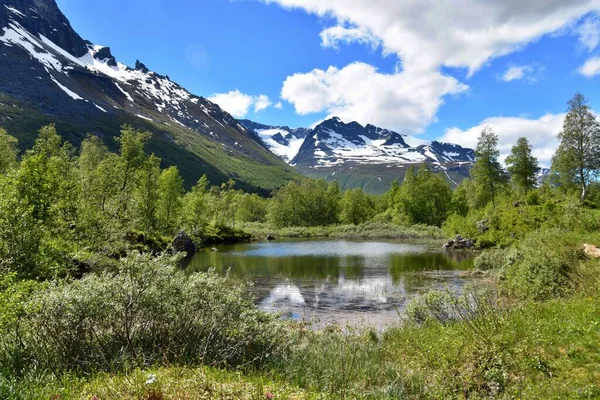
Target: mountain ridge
[[367, 156], [48, 71]]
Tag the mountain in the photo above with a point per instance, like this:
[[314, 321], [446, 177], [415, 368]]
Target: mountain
[[49, 74], [283, 141], [368, 157]]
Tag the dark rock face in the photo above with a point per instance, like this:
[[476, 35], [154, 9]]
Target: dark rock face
[[460, 243], [104, 54], [43, 17], [140, 66], [269, 237], [183, 243]]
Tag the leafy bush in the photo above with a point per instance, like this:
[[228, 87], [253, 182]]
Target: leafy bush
[[544, 266], [148, 313]]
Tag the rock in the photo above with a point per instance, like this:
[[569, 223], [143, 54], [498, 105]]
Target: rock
[[460, 243], [269, 237], [213, 249], [482, 226], [591, 251], [182, 242]]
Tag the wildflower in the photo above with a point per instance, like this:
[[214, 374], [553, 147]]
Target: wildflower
[[269, 396], [151, 379]]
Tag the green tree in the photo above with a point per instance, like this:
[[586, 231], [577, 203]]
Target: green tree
[[170, 191], [196, 211], [423, 197], [253, 208], [356, 207], [487, 173], [8, 151], [131, 159], [148, 192], [577, 160], [522, 166]]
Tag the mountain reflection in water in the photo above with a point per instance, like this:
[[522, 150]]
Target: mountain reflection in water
[[339, 280]]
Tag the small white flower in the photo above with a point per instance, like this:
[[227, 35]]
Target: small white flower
[[151, 379]]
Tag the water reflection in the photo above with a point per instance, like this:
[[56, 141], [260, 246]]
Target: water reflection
[[339, 280]]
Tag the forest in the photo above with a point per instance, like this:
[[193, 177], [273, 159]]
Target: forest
[[94, 304]]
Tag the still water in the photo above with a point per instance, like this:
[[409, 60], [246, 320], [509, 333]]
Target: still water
[[341, 281]]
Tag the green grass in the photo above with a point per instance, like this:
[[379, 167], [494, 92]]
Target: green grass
[[369, 230]]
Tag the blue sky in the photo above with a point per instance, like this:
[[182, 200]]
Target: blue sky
[[418, 67]]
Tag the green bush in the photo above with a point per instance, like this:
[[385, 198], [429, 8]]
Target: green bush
[[544, 267], [148, 313]]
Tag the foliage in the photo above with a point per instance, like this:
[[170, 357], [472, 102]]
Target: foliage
[[149, 312], [424, 197], [8, 151], [356, 207], [522, 166], [577, 160], [487, 173], [544, 267]]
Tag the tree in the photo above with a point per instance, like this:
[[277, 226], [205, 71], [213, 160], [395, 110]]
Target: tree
[[8, 151], [423, 197], [577, 160], [147, 195], [356, 207], [522, 166], [196, 212], [131, 159], [487, 173], [253, 208], [170, 190]]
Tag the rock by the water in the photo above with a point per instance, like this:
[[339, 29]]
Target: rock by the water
[[182, 242], [460, 243], [213, 249], [269, 237]]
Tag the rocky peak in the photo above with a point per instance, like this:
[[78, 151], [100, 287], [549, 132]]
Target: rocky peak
[[43, 17], [104, 54], [139, 66]]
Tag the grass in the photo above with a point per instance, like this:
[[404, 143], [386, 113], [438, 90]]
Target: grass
[[369, 230]]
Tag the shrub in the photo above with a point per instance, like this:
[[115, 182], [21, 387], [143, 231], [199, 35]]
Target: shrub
[[150, 312], [544, 266]]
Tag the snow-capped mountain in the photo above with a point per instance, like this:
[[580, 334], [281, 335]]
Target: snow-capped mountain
[[284, 141], [48, 70], [363, 156]]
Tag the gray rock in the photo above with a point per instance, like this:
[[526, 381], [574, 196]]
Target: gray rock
[[482, 226], [182, 242], [269, 237]]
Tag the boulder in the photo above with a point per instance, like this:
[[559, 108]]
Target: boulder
[[591, 251], [269, 237], [182, 242], [460, 243], [482, 226]]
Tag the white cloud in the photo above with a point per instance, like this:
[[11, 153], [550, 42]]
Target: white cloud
[[279, 105], [589, 32], [332, 36], [516, 73], [238, 104], [541, 132], [591, 67], [406, 101], [261, 102], [426, 34]]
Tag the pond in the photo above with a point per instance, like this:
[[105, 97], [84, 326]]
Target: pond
[[344, 281]]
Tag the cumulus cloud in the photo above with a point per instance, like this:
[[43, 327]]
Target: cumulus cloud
[[516, 73], [541, 132], [589, 32], [238, 104], [261, 102], [426, 34], [591, 67], [279, 105], [406, 101]]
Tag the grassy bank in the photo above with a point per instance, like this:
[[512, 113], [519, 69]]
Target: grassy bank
[[368, 230]]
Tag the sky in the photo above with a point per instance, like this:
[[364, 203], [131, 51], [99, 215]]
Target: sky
[[433, 69]]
